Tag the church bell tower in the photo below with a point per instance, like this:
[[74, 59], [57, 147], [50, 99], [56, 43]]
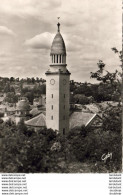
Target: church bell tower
[[57, 87]]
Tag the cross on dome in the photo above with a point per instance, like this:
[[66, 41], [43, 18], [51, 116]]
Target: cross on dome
[[58, 25], [58, 45]]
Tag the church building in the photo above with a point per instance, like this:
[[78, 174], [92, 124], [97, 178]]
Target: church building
[[57, 87], [59, 116]]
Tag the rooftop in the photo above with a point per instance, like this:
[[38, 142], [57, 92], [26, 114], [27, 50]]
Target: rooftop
[[78, 119], [58, 45], [38, 121]]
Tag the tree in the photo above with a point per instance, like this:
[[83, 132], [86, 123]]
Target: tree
[[7, 88], [108, 77], [112, 115], [111, 82], [11, 97], [24, 150], [12, 79], [33, 80], [30, 96], [81, 99]]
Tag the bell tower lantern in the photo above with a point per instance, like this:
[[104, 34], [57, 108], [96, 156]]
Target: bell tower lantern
[[57, 87]]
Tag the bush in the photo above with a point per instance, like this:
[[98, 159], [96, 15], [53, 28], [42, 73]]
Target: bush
[[89, 145]]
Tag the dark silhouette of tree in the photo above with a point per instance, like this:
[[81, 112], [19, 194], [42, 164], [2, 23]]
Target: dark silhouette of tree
[[12, 79], [7, 88]]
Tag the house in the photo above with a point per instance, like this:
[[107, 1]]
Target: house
[[22, 110], [40, 101], [79, 118], [29, 86], [38, 122], [35, 111]]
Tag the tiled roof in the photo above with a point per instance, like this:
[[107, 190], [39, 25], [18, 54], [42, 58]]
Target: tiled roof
[[77, 119], [38, 121], [35, 111], [11, 109], [58, 45]]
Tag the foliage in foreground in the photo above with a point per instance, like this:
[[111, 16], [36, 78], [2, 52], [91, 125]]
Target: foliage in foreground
[[89, 145], [24, 150]]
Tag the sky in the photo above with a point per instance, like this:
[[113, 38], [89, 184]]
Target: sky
[[90, 29]]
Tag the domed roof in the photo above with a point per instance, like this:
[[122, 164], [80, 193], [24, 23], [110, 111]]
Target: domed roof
[[23, 105], [58, 45]]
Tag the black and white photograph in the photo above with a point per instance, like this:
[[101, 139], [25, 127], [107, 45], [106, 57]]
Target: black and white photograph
[[60, 86]]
